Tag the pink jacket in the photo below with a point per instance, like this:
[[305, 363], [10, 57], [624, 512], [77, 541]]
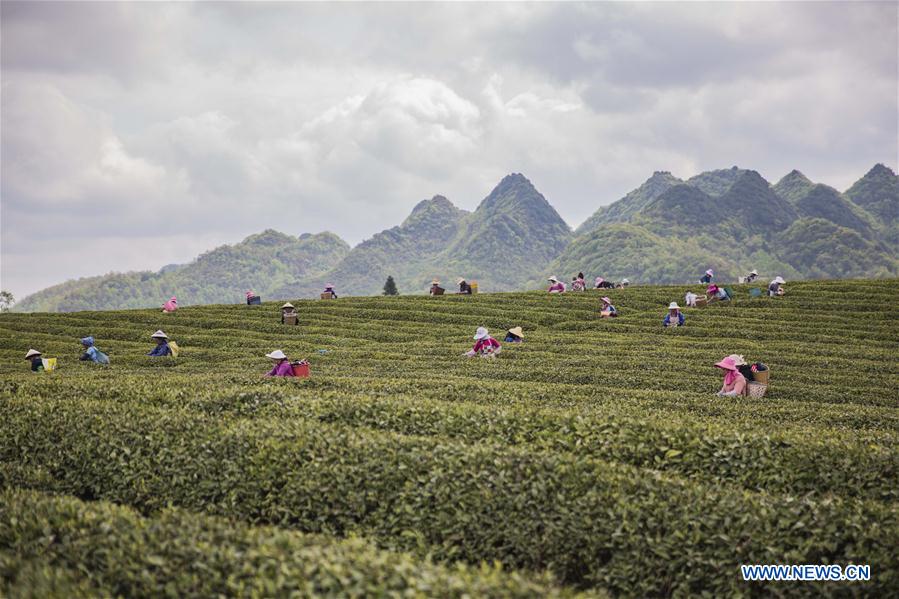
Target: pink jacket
[[282, 368], [171, 305], [485, 343], [558, 287]]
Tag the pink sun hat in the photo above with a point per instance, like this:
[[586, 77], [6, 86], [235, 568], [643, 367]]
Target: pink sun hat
[[599, 280], [727, 363], [606, 300], [711, 289], [709, 272]]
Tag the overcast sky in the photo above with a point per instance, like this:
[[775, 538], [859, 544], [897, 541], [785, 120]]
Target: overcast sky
[[140, 134]]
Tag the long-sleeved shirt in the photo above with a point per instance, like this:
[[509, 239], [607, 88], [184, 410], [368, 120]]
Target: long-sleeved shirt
[[282, 368], [485, 344], [37, 364], [557, 288], [680, 319], [464, 287], [94, 355], [706, 278], [160, 350], [773, 288]]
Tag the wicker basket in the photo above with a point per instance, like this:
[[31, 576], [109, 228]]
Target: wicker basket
[[701, 302], [756, 390], [760, 377]]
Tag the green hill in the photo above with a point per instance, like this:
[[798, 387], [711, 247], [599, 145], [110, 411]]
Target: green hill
[[596, 451], [263, 262], [731, 220]]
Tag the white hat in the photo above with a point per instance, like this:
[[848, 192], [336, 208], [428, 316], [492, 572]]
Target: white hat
[[553, 279], [159, 335], [459, 281], [625, 281], [738, 359], [435, 282], [276, 355], [31, 353], [480, 333], [754, 272], [779, 279], [709, 272], [287, 305], [673, 306]]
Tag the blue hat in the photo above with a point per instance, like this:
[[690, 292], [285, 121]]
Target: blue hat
[[88, 341]]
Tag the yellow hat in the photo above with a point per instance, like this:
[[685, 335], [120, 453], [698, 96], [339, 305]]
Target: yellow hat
[[517, 332]]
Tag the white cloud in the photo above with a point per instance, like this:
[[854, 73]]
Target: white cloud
[[200, 123]]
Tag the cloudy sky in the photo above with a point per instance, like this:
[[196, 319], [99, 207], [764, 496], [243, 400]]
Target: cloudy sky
[[140, 134]]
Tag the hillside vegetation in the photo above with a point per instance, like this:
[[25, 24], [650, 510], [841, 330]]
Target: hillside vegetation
[[595, 457], [665, 231]]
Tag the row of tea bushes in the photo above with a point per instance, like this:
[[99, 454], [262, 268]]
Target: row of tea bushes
[[63, 547]]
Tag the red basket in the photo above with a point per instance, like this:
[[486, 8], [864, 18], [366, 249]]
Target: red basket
[[301, 370]]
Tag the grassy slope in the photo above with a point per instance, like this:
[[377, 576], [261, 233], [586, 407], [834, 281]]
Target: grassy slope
[[603, 401]]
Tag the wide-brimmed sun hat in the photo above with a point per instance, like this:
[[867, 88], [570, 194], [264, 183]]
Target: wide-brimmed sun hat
[[709, 272], [459, 281], [599, 280], [727, 364], [738, 359], [159, 335], [174, 299], [31, 353], [329, 286], [480, 333], [553, 279], [88, 341], [779, 279], [606, 300], [435, 282], [276, 355], [673, 306], [517, 332], [711, 288], [625, 281], [287, 305], [753, 272]]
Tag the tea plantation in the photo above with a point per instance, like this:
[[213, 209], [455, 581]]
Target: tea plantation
[[593, 459]]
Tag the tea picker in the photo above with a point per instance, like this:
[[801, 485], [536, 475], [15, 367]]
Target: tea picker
[[436, 289], [253, 298], [289, 314], [282, 366], [608, 310], [464, 287], [91, 353], [674, 318], [170, 306], [514, 335], [329, 292], [775, 287], [556, 286], [485, 346], [164, 347], [707, 277], [40, 363]]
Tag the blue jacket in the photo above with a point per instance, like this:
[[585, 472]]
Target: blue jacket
[[680, 319], [162, 349], [95, 355]]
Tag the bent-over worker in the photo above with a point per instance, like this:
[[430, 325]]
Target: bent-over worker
[[485, 345], [514, 335], [608, 310], [36, 359], [774, 287], [280, 364], [162, 345], [556, 286], [171, 305], [464, 287], [91, 353]]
